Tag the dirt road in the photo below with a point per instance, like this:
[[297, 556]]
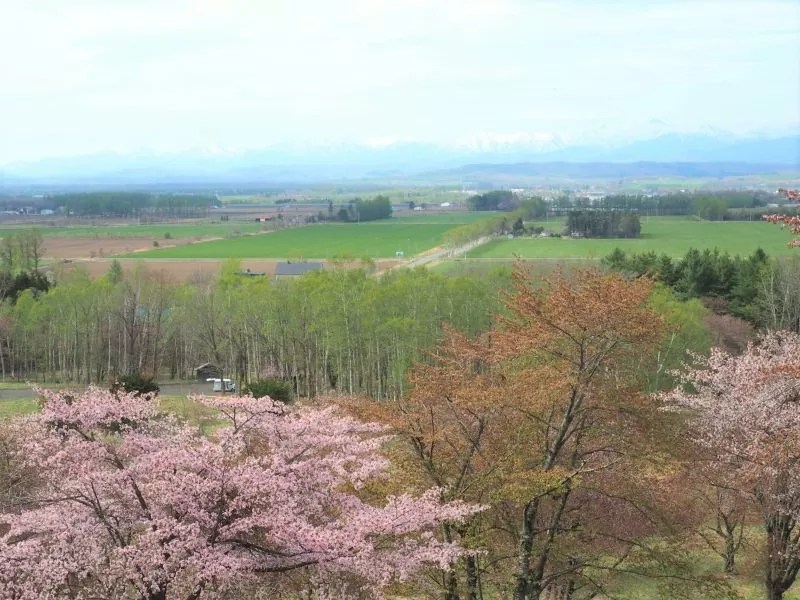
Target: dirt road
[[167, 389], [437, 254]]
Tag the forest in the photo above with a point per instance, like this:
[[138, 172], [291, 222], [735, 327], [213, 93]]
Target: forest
[[727, 205], [624, 431], [132, 204], [603, 224], [341, 329]]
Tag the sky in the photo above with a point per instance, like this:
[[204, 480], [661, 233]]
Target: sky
[[128, 76]]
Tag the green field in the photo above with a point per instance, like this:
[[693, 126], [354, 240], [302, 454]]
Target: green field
[[194, 413], [159, 230], [449, 218], [414, 234], [668, 235], [372, 240], [17, 406]]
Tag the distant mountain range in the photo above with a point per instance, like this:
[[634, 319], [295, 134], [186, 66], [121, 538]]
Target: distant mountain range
[[694, 155]]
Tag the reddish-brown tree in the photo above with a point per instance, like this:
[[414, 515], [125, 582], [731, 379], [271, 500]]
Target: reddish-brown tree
[[543, 419], [455, 426], [576, 346]]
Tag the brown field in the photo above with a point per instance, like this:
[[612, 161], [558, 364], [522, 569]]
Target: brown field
[[187, 270], [83, 248], [95, 254]]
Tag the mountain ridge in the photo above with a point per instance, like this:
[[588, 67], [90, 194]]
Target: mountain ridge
[[407, 158]]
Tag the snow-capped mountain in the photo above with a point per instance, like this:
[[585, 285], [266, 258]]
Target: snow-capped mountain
[[401, 157]]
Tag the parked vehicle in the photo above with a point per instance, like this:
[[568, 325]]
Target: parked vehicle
[[217, 385]]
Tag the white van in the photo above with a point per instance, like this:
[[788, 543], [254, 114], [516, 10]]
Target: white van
[[230, 386]]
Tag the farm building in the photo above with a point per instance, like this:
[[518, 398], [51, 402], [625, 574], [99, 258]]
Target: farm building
[[290, 269], [206, 371]]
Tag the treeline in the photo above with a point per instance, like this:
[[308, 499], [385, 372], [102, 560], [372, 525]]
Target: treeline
[[494, 200], [134, 204], [685, 203], [513, 222], [357, 210], [339, 330], [21, 250], [20, 254], [506, 200], [713, 206], [603, 224], [762, 291]]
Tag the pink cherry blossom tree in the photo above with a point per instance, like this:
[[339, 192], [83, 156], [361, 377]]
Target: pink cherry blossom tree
[[129, 503], [790, 221], [746, 409]]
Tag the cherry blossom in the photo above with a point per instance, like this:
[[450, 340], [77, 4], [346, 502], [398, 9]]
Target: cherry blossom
[[790, 221], [747, 410], [130, 503]]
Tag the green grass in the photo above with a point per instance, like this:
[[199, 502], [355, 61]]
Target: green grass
[[490, 267], [747, 583], [176, 230], [672, 236], [15, 385], [17, 406], [195, 414], [449, 218], [316, 241]]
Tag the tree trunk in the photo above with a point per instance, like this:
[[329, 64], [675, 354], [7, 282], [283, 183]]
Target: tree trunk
[[472, 578], [450, 579], [730, 553], [783, 562], [522, 585], [451, 586], [773, 591], [160, 594]]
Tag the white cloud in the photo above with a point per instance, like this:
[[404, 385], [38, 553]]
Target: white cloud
[[93, 74]]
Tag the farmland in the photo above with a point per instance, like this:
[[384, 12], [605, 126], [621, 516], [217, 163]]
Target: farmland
[[81, 241], [187, 248], [414, 234], [202, 229], [445, 218], [375, 240], [668, 235]]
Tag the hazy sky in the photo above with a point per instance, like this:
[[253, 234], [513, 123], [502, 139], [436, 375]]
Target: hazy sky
[[80, 76]]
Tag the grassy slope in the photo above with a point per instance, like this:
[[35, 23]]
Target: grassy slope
[[661, 235], [375, 240]]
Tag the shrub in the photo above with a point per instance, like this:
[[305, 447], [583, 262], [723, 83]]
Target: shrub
[[277, 389], [135, 383]]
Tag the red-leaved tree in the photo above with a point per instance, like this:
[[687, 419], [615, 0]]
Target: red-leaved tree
[[125, 502], [746, 409]]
